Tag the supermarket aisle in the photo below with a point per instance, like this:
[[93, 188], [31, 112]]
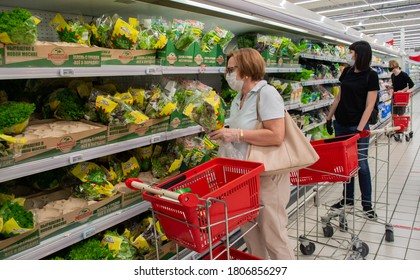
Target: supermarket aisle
[[403, 210]]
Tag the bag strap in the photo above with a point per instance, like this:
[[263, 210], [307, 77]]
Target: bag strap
[[258, 103]]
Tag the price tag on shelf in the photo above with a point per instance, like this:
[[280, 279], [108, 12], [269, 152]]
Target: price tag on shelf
[[76, 158], [67, 72], [88, 233]]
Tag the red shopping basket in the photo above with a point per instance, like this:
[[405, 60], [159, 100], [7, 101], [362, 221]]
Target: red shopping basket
[[233, 254], [236, 182], [338, 160], [401, 98], [402, 122]]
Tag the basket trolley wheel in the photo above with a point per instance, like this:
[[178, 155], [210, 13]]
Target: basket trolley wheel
[[343, 223], [308, 249], [362, 248], [328, 230], [389, 235], [411, 134], [397, 137], [407, 138]]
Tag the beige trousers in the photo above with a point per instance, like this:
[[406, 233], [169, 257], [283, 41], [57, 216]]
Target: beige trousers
[[269, 239]]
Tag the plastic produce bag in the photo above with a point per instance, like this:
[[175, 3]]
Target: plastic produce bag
[[71, 31], [216, 36], [227, 150], [18, 26]]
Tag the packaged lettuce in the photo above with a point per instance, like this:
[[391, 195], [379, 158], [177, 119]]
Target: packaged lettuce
[[101, 31], [153, 35], [70, 32], [192, 33], [18, 26], [124, 36], [119, 244], [159, 104], [93, 184], [207, 110], [139, 97], [216, 36]]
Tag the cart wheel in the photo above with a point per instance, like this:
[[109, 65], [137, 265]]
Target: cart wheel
[[397, 137], [363, 249], [307, 250], [328, 230], [389, 235], [407, 138], [343, 224], [411, 134]]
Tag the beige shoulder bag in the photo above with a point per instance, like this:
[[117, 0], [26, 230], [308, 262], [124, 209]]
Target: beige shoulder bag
[[294, 153]]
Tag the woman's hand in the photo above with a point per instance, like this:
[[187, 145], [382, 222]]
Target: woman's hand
[[225, 134]]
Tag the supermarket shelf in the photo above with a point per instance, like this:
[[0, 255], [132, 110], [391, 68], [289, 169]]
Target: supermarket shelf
[[381, 123], [324, 58], [384, 76], [293, 106], [117, 70], [317, 105], [33, 167], [61, 241], [312, 126], [319, 82]]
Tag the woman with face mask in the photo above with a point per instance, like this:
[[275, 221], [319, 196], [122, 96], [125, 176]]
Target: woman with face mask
[[245, 72], [352, 108]]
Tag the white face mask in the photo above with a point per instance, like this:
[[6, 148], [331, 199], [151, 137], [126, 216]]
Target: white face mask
[[233, 82], [349, 59]]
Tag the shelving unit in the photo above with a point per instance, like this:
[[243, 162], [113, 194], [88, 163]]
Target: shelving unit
[[76, 234]]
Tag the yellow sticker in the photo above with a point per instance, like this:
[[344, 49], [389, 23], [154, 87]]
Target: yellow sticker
[[167, 110], [4, 37], [175, 165], [113, 242]]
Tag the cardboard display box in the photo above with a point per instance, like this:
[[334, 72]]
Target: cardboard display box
[[170, 56], [19, 243], [166, 251], [69, 141], [1, 54], [68, 220], [128, 57], [214, 58], [47, 54], [117, 133]]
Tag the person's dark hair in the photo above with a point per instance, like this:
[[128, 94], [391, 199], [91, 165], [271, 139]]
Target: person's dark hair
[[363, 55]]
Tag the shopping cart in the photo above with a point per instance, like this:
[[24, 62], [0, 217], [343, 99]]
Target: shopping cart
[[223, 194], [222, 252], [338, 162], [401, 102]]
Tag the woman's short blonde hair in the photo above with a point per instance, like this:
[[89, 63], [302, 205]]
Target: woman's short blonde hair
[[250, 63], [393, 64]]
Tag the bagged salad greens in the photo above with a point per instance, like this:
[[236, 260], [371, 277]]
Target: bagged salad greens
[[118, 110], [124, 35], [152, 35], [216, 36], [167, 158], [92, 183], [63, 104], [159, 102], [71, 31], [203, 106], [101, 31], [14, 116], [14, 218], [18, 26], [184, 33], [119, 244]]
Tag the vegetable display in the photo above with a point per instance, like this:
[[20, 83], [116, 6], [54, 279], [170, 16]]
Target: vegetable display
[[18, 26], [70, 31], [15, 219], [63, 104], [14, 116], [216, 36]]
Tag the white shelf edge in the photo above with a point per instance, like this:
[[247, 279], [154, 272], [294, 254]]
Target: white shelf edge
[[309, 107], [312, 126], [70, 237], [11, 73], [324, 58], [319, 82], [37, 166]]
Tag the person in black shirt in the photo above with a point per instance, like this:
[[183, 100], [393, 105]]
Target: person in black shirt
[[352, 108], [400, 82]]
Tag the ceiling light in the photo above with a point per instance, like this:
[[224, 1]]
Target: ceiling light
[[385, 22], [306, 2], [391, 27], [241, 15], [336, 39], [376, 15], [360, 6]]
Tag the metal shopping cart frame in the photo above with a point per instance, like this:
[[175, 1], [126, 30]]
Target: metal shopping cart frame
[[338, 169], [402, 100]]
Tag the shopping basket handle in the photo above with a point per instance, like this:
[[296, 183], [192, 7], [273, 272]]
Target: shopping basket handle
[[366, 133], [186, 199]]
